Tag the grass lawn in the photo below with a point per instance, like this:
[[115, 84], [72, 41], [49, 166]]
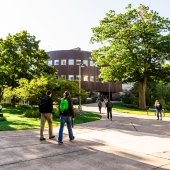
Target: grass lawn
[[15, 119], [120, 108]]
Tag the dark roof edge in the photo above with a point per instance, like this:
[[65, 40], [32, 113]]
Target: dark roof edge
[[74, 49]]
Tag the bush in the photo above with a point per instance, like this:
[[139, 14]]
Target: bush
[[131, 106], [24, 106], [56, 113], [3, 119], [6, 104], [32, 113]]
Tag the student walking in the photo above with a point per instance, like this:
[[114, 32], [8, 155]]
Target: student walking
[[109, 109], [66, 114], [100, 105], [158, 108], [46, 108]]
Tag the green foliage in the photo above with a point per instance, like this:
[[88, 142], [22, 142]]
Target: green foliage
[[20, 57], [167, 106], [130, 98], [17, 121], [72, 86], [134, 47], [32, 113], [24, 107], [32, 90], [3, 119], [56, 113], [6, 105]]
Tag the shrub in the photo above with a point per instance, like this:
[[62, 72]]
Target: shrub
[[131, 106], [3, 119], [32, 113], [6, 104], [24, 106]]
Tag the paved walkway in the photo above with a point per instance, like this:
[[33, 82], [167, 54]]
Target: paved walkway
[[129, 142]]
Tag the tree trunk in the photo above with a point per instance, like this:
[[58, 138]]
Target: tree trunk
[[142, 93], [13, 101]]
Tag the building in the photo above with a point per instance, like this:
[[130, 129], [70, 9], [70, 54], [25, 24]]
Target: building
[[68, 64]]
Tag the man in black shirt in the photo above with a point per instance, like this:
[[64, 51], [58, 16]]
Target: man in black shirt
[[46, 108]]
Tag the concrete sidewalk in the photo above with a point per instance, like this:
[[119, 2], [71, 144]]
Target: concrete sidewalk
[[129, 142]]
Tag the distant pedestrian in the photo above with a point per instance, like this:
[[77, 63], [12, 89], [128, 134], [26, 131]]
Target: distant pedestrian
[[158, 108], [109, 109], [46, 108], [100, 105], [66, 116], [105, 101]]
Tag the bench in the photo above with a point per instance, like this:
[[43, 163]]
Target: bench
[[154, 110]]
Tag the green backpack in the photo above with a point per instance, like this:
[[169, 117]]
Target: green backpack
[[63, 104]]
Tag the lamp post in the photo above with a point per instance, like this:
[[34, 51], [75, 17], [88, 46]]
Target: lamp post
[[109, 91], [80, 66]]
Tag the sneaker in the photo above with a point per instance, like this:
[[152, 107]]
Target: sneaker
[[71, 139], [42, 139], [60, 143], [52, 137]]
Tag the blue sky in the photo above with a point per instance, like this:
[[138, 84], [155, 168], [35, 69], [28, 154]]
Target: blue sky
[[64, 24]]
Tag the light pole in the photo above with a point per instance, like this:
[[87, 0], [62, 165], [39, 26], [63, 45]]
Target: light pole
[[109, 91], [80, 66]]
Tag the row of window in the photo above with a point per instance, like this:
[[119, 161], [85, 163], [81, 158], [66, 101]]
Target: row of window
[[84, 78], [70, 62]]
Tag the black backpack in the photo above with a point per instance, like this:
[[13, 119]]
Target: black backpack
[[43, 105]]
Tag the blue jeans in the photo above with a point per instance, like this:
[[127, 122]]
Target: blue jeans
[[63, 120], [159, 112]]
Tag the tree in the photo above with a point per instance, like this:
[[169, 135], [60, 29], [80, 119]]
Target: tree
[[36, 88], [134, 47], [21, 57]]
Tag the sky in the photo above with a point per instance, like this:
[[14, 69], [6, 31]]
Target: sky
[[64, 24]]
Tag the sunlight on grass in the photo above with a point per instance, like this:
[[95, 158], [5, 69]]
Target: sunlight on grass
[[122, 109], [131, 111], [15, 120]]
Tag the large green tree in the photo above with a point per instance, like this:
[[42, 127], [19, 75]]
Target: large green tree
[[21, 57], [133, 47], [36, 88]]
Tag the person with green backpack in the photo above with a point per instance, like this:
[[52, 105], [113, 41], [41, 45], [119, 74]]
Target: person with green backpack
[[66, 115]]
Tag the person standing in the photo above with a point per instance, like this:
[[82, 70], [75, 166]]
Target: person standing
[[109, 109], [158, 108], [66, 115], [46, 108], [100, 106], [105, 100]]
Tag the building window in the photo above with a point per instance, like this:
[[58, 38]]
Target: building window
[[70, 77], [78, 62], [71, 62], [85, 62], [63, 76], [85, 78], [91, 63], [50, 62], [92, 78], [56, 62], [63, 62]]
